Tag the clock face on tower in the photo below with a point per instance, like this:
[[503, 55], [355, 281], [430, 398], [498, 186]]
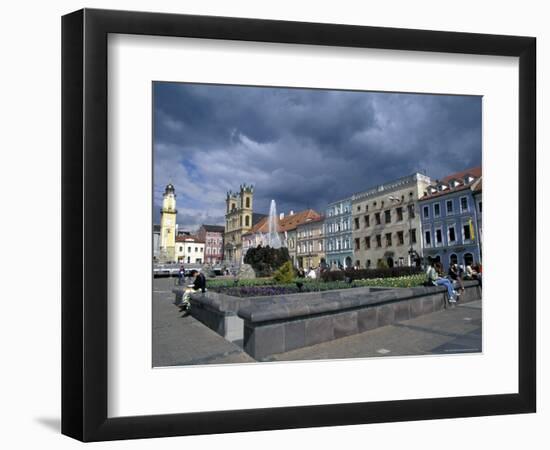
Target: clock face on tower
[[168, 222]]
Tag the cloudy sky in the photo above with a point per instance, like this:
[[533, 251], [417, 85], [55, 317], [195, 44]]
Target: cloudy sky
[[302, 147]]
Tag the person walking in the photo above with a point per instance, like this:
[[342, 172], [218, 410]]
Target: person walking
[[181, 275]]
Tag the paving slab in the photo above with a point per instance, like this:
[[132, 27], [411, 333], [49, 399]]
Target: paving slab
[[453, 330], [180, 339]]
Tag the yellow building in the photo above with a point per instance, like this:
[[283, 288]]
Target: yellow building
[[238, 221], [310, 249], [168, 225]]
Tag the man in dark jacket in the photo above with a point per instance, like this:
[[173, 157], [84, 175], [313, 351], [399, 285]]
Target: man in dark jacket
[[200, 281]]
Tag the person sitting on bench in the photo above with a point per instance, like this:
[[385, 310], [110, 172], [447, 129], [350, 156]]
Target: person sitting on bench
[[434, 278]]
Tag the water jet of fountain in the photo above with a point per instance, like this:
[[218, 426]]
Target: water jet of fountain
[[273, 239]]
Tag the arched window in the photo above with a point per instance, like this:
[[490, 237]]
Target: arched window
[[468, 259], [453, 259], [248, 202], [247, 218]]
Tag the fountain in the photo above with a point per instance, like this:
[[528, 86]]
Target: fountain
[[272, 238]]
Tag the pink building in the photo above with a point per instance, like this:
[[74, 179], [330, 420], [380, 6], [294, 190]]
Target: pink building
[[212, 235]]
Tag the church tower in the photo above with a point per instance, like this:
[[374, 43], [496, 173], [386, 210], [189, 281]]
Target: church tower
[[168, 225], [238, 221], [246, 197]]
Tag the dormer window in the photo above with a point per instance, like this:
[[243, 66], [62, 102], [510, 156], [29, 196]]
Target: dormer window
[[468, 179]]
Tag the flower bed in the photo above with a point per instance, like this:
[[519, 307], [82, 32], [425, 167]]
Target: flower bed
[[266, 287]]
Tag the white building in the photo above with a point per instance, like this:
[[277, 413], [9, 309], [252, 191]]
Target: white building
[[189, 250]]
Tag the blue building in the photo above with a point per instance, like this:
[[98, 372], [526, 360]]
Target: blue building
[[338, 248], [450, 219]]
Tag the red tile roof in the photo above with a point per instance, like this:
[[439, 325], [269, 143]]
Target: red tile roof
[[474, 172], [190, 239], [287, 223]]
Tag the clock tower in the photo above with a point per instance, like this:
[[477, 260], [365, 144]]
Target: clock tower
[[168, 225]]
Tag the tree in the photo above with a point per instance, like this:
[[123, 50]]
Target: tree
[[265, 260], [285, 274]]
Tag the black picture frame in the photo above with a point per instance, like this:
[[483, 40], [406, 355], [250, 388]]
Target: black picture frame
[[84, 224]]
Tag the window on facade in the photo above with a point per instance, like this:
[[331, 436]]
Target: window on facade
[[400, 238], [388, 239], [377, 218], [387, 216], [357, 244], [479, 206], [449, 206], [367, 221], [467, 234], [248, 202], [452, 234], [247, 221], [426, 212], [437, 211], [412, 236], [428, 238], [367, 264], [188, 249], [181, 248], [438, 236], [356, 220], [411, 211], [358, 207], [379, 240], [399, 213], [367, 242], [463, 204]]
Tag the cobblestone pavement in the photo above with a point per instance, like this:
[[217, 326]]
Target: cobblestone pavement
[[180, 340]]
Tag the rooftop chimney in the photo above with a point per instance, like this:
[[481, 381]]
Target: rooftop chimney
[[281, 216], [291, 213]]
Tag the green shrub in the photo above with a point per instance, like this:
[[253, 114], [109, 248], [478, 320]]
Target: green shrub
[[285, 274]]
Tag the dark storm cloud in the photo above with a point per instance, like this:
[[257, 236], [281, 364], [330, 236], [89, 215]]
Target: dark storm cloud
[[302, 147]]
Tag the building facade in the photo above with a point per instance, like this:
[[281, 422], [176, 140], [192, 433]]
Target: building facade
[[238, 221], [449, 214], [156, 242], [386, 225], [167, 238], [337, 232], [478, 194], [310, 245], [291, 246], [189, 250], [212, 236]]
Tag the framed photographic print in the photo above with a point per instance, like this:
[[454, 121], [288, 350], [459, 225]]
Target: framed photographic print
[[273, 224]]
